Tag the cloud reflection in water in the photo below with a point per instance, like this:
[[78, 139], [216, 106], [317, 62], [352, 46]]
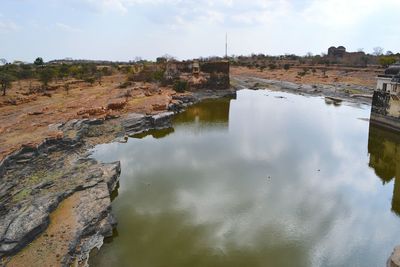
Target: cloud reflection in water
[[257, 181]]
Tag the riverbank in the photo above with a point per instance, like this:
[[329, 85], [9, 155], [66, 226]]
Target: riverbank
[[61, 171], [355, 90], [225, 161], [51, 169]]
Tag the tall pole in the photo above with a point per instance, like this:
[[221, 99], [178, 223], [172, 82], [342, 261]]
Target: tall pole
[[226, 45]]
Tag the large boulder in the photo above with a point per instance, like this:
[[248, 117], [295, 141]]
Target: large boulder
[[92, 111], [116, 104], [159, 107]]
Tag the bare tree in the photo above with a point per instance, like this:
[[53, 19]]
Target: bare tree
[[378, 51], [66, 88], [5, 82]]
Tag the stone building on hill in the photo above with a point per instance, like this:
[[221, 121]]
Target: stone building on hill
[[339, 51]]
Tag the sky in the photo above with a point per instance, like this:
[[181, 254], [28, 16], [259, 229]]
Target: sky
[[126, 29]]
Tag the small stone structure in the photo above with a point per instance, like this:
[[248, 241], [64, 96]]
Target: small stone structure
[[198, 74], [339, 51], [385, 109]]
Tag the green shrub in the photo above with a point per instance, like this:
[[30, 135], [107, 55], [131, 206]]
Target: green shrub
[[158, 76], [181, 86], [286, 66], [125, 84], [303, 73], [385, 61], [272, 66], [90, 80]]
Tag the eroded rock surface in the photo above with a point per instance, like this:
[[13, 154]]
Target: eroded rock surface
[[56, 198], [137, 123], [77, 226], [36, 180]]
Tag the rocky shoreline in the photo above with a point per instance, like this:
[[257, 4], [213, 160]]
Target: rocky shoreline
[[338, 91], [59, 174], [37, 180]]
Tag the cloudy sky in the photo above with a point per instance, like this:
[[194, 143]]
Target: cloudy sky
[[125, 29]]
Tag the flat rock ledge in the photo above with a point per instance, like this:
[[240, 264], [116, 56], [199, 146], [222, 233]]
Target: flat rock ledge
[[92, 215], [36, 180]]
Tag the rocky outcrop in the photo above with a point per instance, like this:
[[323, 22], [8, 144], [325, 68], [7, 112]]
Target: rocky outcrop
[[138, 123], [37, 178], [116, 104], [93, 111], [394, 260], [180, 102], [93, 215], [25, 217], [22, 224]]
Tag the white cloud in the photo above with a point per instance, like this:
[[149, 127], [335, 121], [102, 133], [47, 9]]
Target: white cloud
[[105, 5], [183, 26], [7, 26], [67, 28], [343, 13], [122, 6]]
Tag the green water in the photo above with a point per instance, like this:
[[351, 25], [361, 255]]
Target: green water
[[267, 179]]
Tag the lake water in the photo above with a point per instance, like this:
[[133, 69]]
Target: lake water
[[267, 179]]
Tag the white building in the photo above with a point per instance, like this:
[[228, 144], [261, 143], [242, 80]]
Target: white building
[[390, 81], [385, 110]]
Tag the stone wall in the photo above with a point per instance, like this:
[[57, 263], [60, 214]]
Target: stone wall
[[385, 110], [213, 75], [216, 66], [380, 103], [219, 74]]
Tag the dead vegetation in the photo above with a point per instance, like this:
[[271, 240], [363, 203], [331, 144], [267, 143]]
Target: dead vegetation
[[26, 117]]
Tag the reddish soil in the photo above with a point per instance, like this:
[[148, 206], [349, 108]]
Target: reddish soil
[[27, 118], [322, 75]]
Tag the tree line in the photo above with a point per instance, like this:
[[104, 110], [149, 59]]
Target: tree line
[[46, 73]]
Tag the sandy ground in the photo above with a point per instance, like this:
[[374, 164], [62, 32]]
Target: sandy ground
[[48, 248]]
